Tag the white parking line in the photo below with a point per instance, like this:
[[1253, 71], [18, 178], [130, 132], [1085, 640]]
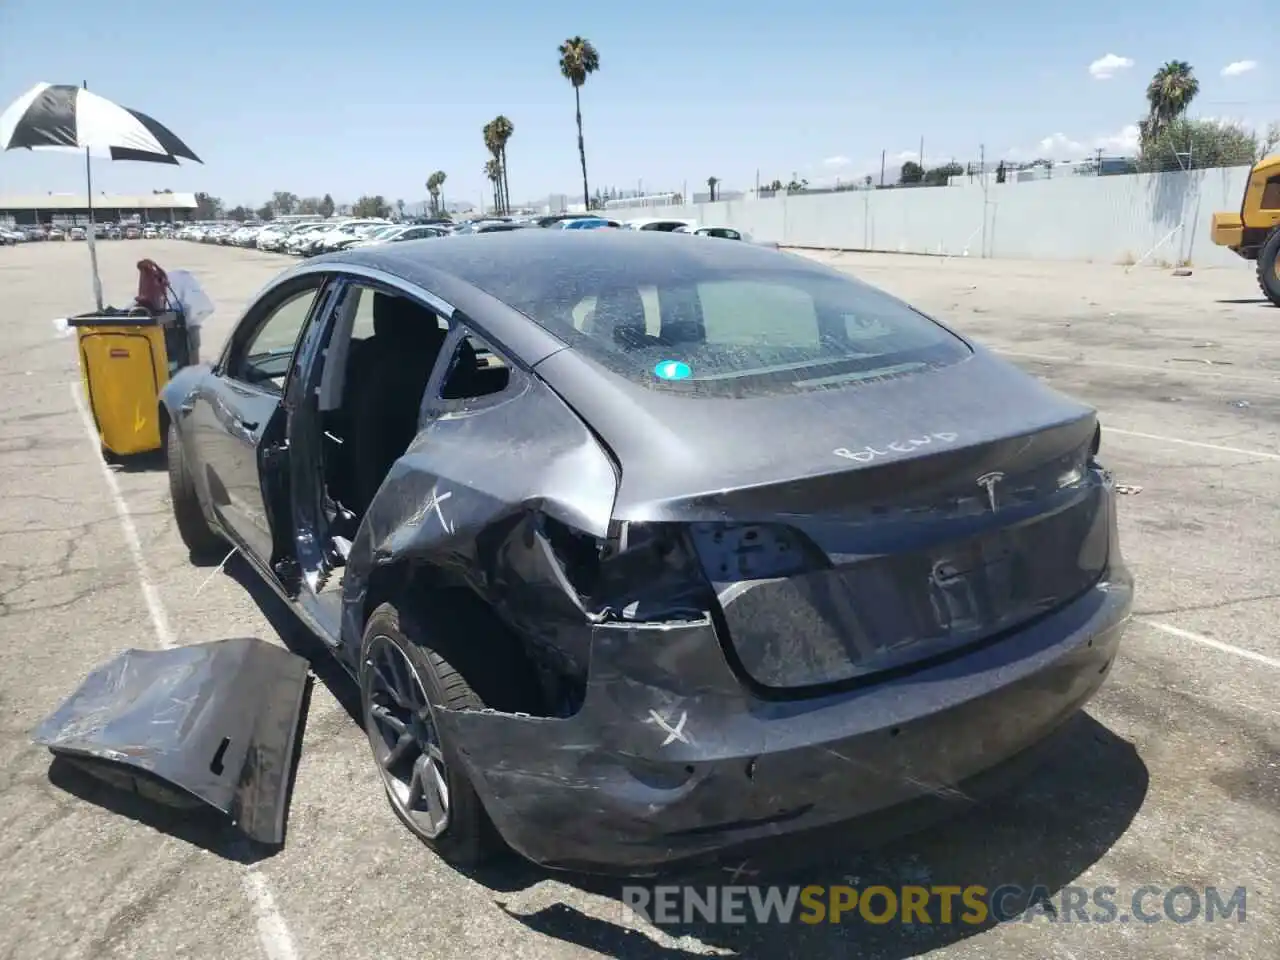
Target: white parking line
[[1181, 634], [273, 933], [1180, 370], [151, 596], [1264, 454]]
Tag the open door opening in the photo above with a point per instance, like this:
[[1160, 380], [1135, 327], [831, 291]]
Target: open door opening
[[360, 416]]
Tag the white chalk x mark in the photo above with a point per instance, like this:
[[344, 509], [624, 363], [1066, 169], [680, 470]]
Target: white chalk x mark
[[673, 733]]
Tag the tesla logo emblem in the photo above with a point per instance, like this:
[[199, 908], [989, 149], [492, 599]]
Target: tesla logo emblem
[[988, 482]]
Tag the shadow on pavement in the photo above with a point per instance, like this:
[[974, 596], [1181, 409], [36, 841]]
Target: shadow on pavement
[[297, 637], [149, 462], [154, 804]]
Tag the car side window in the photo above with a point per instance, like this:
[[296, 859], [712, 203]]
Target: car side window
[[265, 358], [475, 370]]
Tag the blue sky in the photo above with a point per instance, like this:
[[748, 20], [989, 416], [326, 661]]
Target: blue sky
[[370, 97]]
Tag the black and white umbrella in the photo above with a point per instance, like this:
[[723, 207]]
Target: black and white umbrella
[[64, 117], [59, 116]]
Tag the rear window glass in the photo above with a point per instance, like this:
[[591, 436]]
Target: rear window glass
[[745, 334]]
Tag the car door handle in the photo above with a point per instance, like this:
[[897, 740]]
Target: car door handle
[[247, 425]]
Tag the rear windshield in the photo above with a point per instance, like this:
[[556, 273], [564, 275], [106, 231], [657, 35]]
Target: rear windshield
[[726, 333]]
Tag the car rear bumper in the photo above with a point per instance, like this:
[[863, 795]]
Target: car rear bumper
[[671, 759]]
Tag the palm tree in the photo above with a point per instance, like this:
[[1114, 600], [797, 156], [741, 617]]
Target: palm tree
[[433, 188], [1169, 94], [578, 60], [503, 130], [493, 171], [441, 177], [712, 183], [400, 208], [491, 144], [434, 184]]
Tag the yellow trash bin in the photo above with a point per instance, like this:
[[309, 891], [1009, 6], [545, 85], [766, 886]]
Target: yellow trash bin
[[125, 363]]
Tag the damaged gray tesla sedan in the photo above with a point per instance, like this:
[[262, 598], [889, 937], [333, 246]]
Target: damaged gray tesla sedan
[[643, 550]]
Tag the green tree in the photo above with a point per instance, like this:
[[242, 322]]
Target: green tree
[[240, 213], [265, 212], [208, 207], [1197, 145], [712, 183], [1169, 94], [284, 202], [400, 209], [1269, 141], [578, 60], [309, 206], [911, 172], [326, 206], [371, 206], [939, 176]]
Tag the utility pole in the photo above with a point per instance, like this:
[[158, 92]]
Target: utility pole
[[882, 168], [982, 171], [922, 152], [1098, 168]]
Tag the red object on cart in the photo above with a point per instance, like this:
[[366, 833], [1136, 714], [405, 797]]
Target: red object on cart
[[153, 286]]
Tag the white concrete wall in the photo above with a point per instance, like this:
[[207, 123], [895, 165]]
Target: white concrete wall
[[1114, 219]]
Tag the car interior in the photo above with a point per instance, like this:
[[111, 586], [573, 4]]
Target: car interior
[[371, 393]]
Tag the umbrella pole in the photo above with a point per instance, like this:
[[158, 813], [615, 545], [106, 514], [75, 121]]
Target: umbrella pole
[[89, 234]]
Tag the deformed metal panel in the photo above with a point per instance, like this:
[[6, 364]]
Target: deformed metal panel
[[471, 482], [219, 721]]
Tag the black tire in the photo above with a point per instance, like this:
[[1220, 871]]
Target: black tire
[[193, 528], [1269, 267], [469, 838]]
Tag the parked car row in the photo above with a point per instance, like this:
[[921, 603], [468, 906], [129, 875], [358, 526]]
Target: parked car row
[[309, 238], [33, 233]]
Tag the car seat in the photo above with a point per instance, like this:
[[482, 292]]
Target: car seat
[[387, 378]]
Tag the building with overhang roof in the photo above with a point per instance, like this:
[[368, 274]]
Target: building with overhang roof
[[66, 209]]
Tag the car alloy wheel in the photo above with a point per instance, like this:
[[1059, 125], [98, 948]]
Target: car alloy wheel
[[406, 744]]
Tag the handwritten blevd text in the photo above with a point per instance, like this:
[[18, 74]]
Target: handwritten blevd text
[[910, 445]]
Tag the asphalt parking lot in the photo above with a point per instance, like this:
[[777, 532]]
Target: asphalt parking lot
[[1172, 778]]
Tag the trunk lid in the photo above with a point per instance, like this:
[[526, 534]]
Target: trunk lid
[[854, 574], [851, 532]]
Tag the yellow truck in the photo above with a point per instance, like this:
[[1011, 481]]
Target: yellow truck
[[1254, 232]]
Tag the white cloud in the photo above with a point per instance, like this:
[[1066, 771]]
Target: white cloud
[[1124, 141], [1105, 67], [1059, 146], [836, 162], [1239, 67]]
